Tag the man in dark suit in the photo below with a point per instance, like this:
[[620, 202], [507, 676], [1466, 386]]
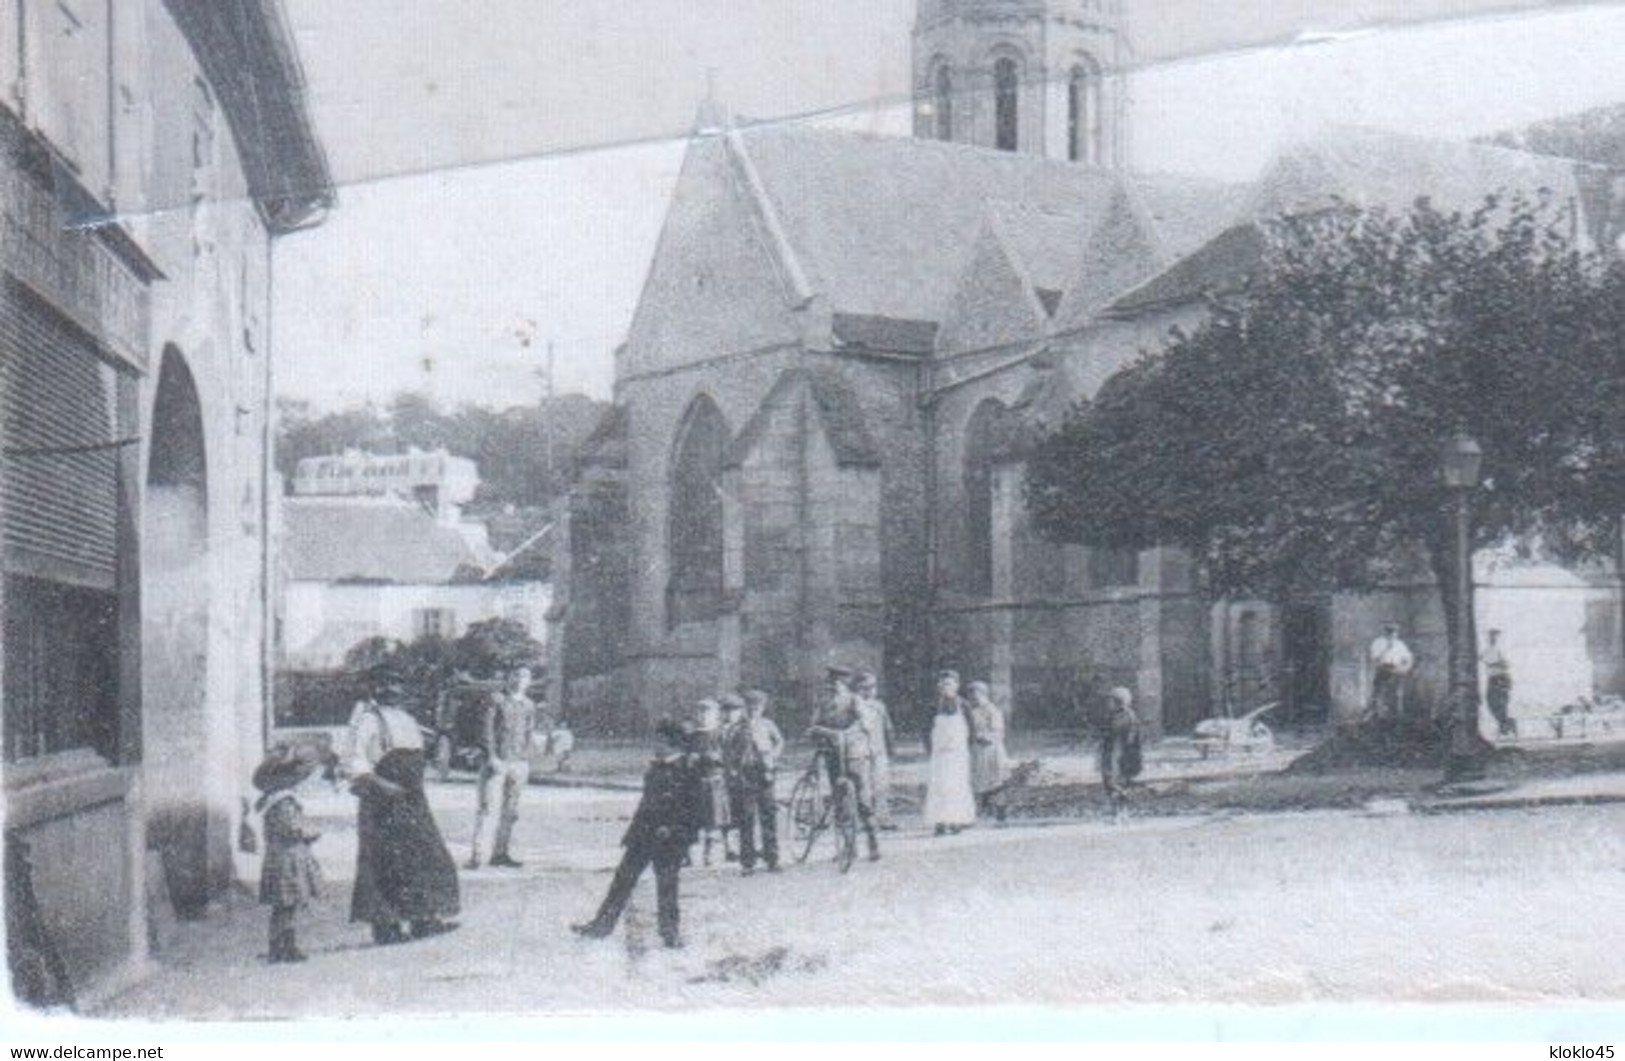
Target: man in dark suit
[[664, 827]]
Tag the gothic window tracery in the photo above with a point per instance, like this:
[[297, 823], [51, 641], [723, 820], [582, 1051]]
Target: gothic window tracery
[[694, 539]]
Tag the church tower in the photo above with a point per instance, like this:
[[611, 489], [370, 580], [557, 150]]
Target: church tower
[[1043, 77]]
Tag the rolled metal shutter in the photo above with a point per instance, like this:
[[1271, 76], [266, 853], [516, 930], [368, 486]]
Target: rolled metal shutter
[[59, 489]]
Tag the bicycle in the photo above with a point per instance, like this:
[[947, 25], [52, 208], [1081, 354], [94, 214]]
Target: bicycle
[[811, 812]]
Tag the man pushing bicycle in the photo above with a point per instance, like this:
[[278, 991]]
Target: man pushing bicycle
[[842, 742]]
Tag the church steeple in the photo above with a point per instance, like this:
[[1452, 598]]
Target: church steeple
[[1043, 77]]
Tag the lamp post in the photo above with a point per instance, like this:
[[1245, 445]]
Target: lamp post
[[1467, 750]]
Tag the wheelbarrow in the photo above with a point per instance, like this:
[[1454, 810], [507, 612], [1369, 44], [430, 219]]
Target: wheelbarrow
[[1246, 733]]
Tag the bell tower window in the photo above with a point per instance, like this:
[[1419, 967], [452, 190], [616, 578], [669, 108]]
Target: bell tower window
[[943, 103], [1006, 104]]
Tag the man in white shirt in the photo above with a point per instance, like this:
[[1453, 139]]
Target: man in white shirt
[[507, 739], [1391, 663], [1498, 685], [877, 723]]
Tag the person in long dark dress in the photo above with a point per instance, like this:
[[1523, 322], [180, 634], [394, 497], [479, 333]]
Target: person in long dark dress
[[665, 825], [405, 880]]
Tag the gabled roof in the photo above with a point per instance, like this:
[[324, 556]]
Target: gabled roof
[[884, 226], [1224, 264], [605, 445], [1361, 167], [532, 561], [371, 540], [1376, 168], [839, 411]]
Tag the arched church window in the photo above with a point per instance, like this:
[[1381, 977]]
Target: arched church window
[[983, 444], [694, 520], [1085, 141], [943, 102], [1006, 104]]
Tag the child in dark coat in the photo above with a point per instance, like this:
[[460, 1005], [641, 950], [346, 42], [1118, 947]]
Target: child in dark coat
[[665, 825], [290, 877]]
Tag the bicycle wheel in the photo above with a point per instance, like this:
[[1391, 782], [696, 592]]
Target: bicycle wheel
[[846, 823], [807, 811]]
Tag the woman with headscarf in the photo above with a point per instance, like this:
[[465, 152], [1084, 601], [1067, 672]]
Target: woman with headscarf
[[987, 754], [1121, 756], [950, 805], [405, 879]]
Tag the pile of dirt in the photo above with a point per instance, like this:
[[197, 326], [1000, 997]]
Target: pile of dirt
[[1406, 744], [756, 970]]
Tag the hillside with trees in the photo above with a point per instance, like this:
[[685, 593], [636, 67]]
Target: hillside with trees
[[524, 454]]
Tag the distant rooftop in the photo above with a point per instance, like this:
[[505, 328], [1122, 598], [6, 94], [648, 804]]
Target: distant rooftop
[[361, 539]]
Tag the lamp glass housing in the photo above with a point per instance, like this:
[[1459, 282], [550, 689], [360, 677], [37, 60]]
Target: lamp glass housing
[[1462, 460]]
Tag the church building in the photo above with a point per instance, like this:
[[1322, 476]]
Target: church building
[[846, 341]]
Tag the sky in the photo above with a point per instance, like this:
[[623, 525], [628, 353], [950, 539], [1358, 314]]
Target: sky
[[504, 166]]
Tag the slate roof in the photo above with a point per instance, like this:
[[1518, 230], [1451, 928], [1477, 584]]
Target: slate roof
[[884, 226], [1376, 168], [370, 540], [839, 411], [1364, 167], [605, 446], [532, 561]]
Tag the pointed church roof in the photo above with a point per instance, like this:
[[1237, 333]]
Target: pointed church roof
[[840, 413], [884, 226]]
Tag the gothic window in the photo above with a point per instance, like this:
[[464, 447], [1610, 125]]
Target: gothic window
[[1084, 127], [1006, 104], [983, 434], [694, 528], [943, 102]]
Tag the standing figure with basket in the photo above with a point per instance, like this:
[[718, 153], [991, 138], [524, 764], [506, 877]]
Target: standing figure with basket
[[1121, 752]]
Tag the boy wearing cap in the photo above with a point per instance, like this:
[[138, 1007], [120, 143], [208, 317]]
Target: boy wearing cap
[[289, 877], [664, 827], [750, 754]]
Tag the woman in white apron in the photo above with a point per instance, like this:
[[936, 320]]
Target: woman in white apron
[[950, 805]]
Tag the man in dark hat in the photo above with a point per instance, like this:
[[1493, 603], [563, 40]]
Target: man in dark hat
[[664, 827]]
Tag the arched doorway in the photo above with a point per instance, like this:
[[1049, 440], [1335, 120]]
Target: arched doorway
[[175, 632]]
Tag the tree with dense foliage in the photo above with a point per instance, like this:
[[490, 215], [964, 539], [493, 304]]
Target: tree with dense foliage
[[424, 667], [1291, 442]]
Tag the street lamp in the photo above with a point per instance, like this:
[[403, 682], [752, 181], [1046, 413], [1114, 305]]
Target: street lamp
[[1461, 460]]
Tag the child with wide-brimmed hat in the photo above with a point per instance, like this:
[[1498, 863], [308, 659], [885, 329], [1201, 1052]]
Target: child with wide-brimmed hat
[[290, 877]]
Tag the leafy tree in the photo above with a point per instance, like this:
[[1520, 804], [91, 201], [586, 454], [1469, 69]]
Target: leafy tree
[[1291, 442], [424, 667], [487, 648]]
